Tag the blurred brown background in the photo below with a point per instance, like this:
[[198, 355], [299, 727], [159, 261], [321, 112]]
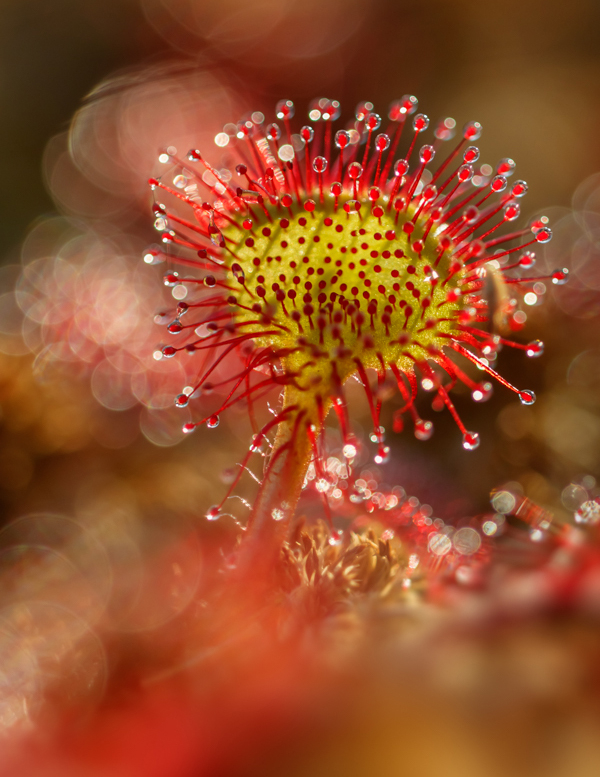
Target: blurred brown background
[[73, 443]]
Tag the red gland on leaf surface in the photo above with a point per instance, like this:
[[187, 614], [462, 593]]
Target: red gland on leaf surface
[[317, 254]]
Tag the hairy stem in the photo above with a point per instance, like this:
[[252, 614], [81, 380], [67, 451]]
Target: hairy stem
[[273, 512]]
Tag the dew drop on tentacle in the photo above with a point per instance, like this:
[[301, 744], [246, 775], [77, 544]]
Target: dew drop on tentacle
[[382, 142], [527, 259], [320, 164], [527, 397], [445, 129], [560, 277], [423, 429], [342, 139], [498, 184], [542, 234], [518, 189], [213, 422], [506, 167], [470, 441], [182, 400], [465, 173], [535, 348], [471, 155], [512, 211], [355, 170], [483, 392], [213, 513], [400, 167], [383, 455], [420, 122], [285, 109], [307, 133], [472, 130], [238, 272]]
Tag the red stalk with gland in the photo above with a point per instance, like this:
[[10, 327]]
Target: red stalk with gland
[[316, 255]]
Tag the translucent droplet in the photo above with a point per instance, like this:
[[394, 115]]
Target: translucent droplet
[[274, 131], [342, 138], [180, 181], [471, 155], [382, 142], [519, 189], [355, 170], [470, 441], [238, 272], [160, 224], [378, 434], [336, 537], [213, 422], [383, 455], [465, 173], [527, 259], [506, 166], [498, 183], [188, 428], [174, 327], [426, 154], [483, 392], [445, 129], [511, 211], [307, 133], [373, 121], [472, 130], [423, 429], [420, 122], [542, 234], [402, 108], [527, 397], [560, 277], [589, 512], [182, 400], [319, 164], [536, 348], [213, 513], [285, 109], [168, 351], [277, 514], [400, 168]]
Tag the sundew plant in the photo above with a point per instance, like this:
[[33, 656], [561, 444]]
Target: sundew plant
[[312, 254]]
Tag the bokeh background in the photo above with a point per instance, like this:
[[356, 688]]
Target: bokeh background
[[89, 93]]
